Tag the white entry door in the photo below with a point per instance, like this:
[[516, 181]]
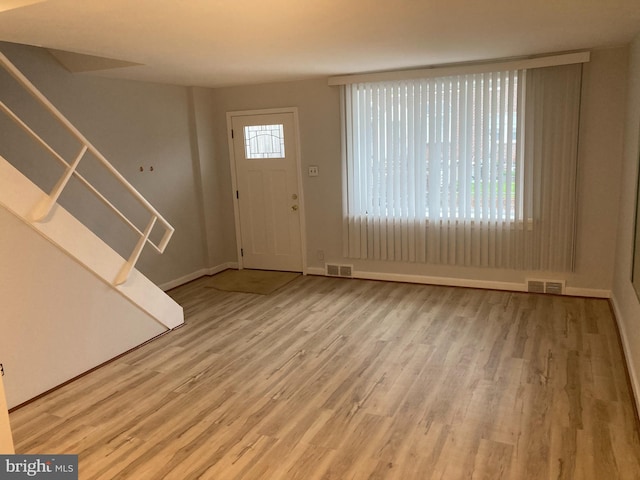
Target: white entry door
[[268, 196]]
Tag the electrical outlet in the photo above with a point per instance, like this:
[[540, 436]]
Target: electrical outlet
[[320, 255], [314, 171]]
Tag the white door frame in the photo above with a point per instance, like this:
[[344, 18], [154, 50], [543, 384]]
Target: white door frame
[[234, 182]]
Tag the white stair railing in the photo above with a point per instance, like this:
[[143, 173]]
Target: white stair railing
[[42, 210]]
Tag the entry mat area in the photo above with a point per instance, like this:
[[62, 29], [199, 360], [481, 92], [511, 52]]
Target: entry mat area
[[262, 282]]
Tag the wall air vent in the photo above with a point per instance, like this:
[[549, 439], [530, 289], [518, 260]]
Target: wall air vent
[[535, 286], [332, 270], [554, 287], [344, 271]]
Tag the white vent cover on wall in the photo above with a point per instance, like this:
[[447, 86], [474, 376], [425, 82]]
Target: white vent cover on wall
[[334, 270], [535, 286], [554, 287]]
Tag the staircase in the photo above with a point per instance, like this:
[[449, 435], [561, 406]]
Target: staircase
[[92, 303]]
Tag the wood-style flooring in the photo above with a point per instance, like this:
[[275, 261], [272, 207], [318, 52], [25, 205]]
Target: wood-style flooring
[[347, 379]]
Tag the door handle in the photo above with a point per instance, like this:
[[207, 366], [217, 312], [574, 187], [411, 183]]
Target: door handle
[[294, 208]]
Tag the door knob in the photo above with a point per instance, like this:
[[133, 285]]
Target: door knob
[[294, 208]]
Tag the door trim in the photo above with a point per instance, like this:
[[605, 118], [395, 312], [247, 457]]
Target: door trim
[[234, 182]]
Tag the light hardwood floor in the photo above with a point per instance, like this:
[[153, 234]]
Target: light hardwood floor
[[348, 379]]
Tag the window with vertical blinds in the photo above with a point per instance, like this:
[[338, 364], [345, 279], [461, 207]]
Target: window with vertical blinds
[[472, 170]]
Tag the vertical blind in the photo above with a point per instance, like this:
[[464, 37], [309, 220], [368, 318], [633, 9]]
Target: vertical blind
[[473, 170]]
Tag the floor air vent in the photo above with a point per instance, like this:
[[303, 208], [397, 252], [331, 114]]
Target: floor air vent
[[554, 287], [333, 270]]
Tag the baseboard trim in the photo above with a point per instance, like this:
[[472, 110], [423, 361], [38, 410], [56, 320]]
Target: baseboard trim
[[461, 282], [314, 271], [197, 274], [441, 281], [222, 267], [430, 280], [587, 292], [626, 348], [184, 279]]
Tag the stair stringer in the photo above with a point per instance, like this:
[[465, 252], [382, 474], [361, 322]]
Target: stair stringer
[[20, 196]]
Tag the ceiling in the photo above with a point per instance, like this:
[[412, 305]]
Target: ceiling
[[233, 42]]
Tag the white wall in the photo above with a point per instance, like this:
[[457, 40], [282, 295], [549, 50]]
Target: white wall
[[603, 107], [215, 177], [133, 124], [600, 165], [625, 300], [57, 319], [6, 437]]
